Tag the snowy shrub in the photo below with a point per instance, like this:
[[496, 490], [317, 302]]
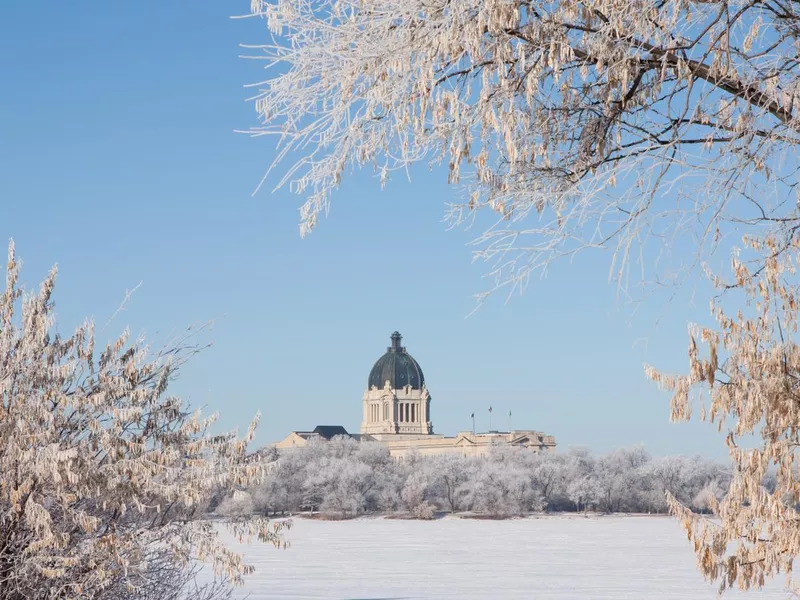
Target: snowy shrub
[[709, 496], [413, 492], [586, 492], [345, 484], [490, 490], [103, 475], [450, 473], [387, 498], [424, 511], [239, 505]]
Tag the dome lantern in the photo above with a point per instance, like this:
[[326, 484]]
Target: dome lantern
[[396, 347]]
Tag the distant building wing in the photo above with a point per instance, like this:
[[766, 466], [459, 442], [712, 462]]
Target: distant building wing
[[330, 431]]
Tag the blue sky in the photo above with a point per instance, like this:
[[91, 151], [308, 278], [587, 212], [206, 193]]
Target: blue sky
[[119, 162]]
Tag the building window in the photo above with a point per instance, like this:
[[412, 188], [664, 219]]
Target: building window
[[413, 413]]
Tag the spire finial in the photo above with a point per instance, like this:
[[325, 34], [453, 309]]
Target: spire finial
[[396, 337]]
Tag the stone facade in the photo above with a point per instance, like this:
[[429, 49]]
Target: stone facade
[[391, 411], [465, 443], [396, 413]]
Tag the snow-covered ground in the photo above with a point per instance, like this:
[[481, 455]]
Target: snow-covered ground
[[550, 558]]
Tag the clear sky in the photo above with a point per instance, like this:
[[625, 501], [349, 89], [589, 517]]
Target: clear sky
[[119, 162]]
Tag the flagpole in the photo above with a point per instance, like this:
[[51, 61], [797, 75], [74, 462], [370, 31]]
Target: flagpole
[[490, 418], [509, 421], [473, 423]]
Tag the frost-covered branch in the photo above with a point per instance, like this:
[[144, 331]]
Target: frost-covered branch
[[577, 124], [103, 475]]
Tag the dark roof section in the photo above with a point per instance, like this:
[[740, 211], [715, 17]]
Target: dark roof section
[[397, 367], [330, 431]]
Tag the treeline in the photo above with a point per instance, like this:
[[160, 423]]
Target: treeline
[[343, 478]]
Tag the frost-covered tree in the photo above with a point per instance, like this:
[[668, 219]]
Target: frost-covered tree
[[487, 492], [348, 484], [104, 476], [617, 475], [499, 487], [239, 504], [362, 478], [451, 473], [578, 124], [670, 473], [388, 480], [586, 124], [586, 492], [416, 491], [333, 476], [709, 496], [580, 462], [284, 487], [748, 382], [548, 476]]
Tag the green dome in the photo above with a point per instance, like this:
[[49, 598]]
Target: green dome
[[397, 367]]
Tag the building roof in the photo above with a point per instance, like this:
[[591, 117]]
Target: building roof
[[330, 431], [397, 367]]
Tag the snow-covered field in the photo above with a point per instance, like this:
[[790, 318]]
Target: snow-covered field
[[549, 558]]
